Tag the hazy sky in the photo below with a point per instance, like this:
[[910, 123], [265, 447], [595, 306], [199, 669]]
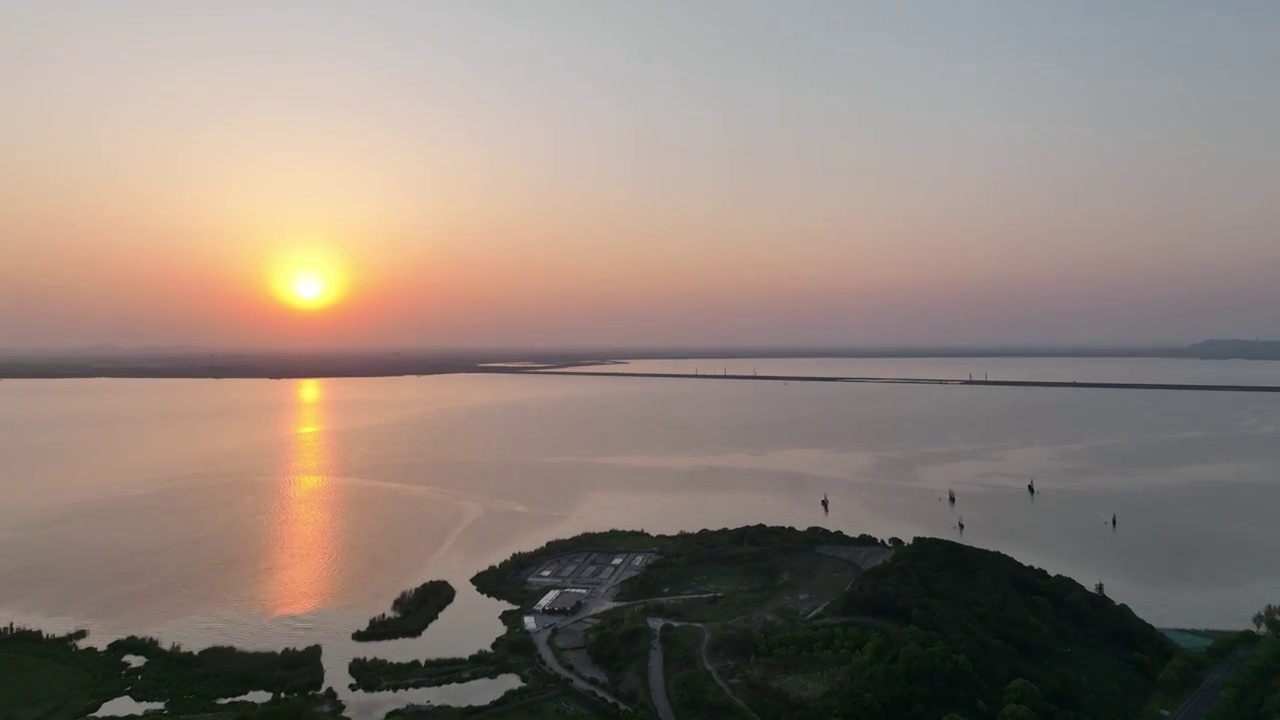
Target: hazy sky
[[607, 172]]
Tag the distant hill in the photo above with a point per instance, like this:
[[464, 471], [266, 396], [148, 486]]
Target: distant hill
[[1233, 350]]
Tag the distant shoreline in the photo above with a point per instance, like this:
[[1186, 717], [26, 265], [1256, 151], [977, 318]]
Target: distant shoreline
[[567, 370], [192, 365], [928, 381]]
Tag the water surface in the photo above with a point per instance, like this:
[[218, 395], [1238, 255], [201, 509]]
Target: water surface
[[265, 514]]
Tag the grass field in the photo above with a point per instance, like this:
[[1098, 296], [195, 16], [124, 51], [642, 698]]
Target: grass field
[[788, 586]]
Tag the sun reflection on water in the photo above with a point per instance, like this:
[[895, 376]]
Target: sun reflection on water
[[302, 573]]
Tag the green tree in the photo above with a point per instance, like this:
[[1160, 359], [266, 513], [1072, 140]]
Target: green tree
[[1016, 712], [1022, 692], [520, 644], [1268, 618], [1180, 672]]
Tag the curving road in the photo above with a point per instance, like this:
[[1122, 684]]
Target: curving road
[[657, 680], [553, 664], [1197, 706], [542, 641]]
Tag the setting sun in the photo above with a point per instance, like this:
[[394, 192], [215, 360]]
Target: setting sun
[[308, 281], [308, 287]]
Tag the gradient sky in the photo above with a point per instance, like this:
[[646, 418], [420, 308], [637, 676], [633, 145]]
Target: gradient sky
[[598, 172]]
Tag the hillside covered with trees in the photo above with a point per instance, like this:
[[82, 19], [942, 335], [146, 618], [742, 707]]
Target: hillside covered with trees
[[944, 630]]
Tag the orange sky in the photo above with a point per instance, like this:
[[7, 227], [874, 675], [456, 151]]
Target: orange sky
[[655, 175]]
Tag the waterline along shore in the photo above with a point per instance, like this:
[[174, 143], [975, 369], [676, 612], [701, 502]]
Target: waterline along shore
[[903, 381]]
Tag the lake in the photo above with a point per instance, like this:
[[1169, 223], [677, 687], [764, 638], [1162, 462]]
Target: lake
[[270, 513]]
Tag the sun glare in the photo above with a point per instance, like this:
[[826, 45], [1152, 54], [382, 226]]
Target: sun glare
[[308, 287], [308, 281]]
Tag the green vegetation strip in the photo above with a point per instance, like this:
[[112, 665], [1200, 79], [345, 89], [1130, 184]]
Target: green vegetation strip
[[542, 697], [1254, 693], [411, 613], [1183, 674], [48, 677], [548, 701], [513, 652], [372, 674]]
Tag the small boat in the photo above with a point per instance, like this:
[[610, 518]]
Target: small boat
[[826, 506], [951, 496], [1031, 486]]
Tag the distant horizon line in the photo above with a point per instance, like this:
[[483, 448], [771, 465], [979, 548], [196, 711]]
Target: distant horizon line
[[628, 351]]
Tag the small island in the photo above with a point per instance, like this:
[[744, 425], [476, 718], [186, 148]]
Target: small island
[[412, 612], [376, 674]]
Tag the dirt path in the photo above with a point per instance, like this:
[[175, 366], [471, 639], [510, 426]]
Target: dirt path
[[818, 610], [607, 605], [855, 620], [861, 558], [660, 682], [706, 663]]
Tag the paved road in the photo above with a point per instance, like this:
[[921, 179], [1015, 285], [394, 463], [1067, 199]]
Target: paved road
[[1205, 697], [657, 679], [540, 640]]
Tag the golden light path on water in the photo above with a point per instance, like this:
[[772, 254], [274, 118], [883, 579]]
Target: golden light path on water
[[303, 551]]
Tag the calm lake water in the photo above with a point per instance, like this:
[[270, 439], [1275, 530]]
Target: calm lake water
[[265, 514]]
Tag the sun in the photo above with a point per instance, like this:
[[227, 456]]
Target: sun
[[308, 281], [308, 287]]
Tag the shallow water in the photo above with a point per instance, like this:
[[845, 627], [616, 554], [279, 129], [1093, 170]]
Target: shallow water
[[253, 696], [125, 706], [265, 514]]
